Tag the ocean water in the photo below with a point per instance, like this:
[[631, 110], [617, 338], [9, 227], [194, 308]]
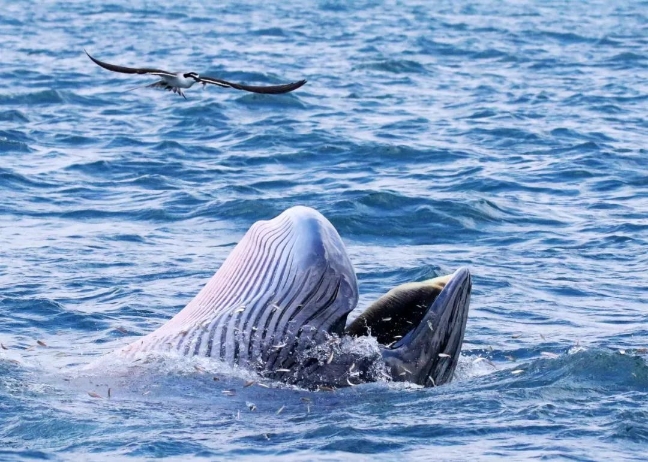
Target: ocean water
[[508, 137]]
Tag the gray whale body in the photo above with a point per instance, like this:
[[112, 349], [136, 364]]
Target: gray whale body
[[279, 305]]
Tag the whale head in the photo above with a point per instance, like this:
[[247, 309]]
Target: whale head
[[280, 301]]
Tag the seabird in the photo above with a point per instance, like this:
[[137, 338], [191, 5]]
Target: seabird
[[176, 82]]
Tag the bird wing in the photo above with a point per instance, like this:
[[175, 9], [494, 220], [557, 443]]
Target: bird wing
[[129, 70], [271, 89]]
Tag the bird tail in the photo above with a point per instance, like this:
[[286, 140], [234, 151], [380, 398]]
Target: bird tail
[[154, 84]]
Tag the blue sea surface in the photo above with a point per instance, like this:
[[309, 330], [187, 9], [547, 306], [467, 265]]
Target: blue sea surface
[[508, 137]]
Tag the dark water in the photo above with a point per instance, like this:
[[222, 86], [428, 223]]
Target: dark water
[[509, 137]]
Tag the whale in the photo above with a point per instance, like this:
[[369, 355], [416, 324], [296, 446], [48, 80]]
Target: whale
[[279, 304]]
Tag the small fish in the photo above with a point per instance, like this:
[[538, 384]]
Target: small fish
[[281, 345], [238, 415], [146, 392], [199, 368], [622, 352], [41, 343], [266, 436], [516, 335], [406, 370], [325, 388], [444, 355], [480, 359], [510, 358], [109, 393], [517, 371], [402, 373], [249, 383], [283, 370], [330, 358], [281, 409], [240, 310], [349, 382], [391, 344], [398, 336], [304, 399], [430, 325], [121, 329], [229, 392], [543, 337], [431, 380], [3, 347], [352, 367], [263, 385], [547, 354], [251, 406], [308, 409], [216, 379], [94, 395], [386, 319]]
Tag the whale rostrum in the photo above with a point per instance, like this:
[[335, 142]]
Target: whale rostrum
[[279, 305]]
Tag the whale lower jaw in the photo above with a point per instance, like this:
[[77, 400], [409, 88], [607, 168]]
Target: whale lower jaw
[[288, 285], [279, 305]]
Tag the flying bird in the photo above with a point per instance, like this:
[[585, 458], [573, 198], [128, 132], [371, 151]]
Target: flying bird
[[179, 81]]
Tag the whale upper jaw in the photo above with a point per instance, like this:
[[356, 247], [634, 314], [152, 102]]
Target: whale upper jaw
[[428, 354]]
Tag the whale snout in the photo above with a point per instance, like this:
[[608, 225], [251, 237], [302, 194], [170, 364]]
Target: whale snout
[[420, 327]]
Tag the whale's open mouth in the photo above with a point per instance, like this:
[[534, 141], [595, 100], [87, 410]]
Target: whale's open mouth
[[420, 327], [279, 304]]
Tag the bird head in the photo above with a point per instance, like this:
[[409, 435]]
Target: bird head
[[192, 75]]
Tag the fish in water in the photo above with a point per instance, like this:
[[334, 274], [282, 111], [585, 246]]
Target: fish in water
[[296, 283]]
